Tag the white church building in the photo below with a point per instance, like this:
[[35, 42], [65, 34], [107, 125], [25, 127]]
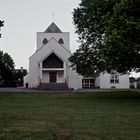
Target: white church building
[[49, 67]]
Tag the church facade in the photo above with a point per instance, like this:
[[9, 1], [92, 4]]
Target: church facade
[[49, 65]]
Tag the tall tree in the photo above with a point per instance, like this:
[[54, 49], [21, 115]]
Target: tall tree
[[110, 30], [1, 24]]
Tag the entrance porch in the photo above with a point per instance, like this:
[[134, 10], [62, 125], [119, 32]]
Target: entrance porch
[[53, 73], [53, 76]]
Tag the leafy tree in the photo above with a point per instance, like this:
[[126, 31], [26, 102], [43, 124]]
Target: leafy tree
[[19, 76], [109, 30], [87, 61], [122, 41], [1, 24], [6, 68]]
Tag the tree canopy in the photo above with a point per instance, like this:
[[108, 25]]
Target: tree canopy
[[1, 24], [109, 35]]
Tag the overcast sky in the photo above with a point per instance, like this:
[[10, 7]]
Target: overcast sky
[[23, 18]]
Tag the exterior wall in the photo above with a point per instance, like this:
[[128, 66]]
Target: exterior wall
[[26, 80], [34, 73], [49, 36], [74, 79], [45, 77], [105, 81], [60, 79], [97, 82]]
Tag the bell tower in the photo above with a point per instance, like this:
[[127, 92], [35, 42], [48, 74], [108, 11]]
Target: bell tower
[[53, 32]]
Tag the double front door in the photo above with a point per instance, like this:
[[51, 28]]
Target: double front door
[[53, 76]]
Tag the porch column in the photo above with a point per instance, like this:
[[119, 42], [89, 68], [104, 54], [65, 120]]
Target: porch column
[[65, 74], [40, 70]]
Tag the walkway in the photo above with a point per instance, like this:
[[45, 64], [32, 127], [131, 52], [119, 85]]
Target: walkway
[[24, 90]]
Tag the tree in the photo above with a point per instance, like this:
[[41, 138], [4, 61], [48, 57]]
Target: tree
[[6, 69], [86, 61], [122, 40], [19, 76], [110, 32], [1, 24]]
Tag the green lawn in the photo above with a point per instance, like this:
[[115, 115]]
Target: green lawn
[[83, 116]]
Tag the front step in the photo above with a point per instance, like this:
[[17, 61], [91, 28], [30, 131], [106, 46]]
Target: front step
[[53, 86]]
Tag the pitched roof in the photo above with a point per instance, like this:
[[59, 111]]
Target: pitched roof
[[45, 46], [53, 28]]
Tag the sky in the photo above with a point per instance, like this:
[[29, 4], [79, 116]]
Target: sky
[[24, 18]]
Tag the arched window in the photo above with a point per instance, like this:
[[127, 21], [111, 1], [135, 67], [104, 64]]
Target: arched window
[[45, 41], [61, 41]]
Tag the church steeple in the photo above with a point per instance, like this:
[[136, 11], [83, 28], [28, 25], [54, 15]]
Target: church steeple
[[53, 28]]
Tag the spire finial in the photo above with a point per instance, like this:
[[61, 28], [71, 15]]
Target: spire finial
[[53, 15]]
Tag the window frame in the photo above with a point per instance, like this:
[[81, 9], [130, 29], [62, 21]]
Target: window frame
[[114, 78], [88, 83]]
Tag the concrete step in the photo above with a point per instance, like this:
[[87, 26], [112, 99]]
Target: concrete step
[[53, 86]]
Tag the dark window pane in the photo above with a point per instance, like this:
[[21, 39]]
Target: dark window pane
[[61, 41], [116, 81], [112, 81], [45, 41], [52, 61]]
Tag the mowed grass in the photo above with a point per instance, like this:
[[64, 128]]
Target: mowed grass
[[70, 116]]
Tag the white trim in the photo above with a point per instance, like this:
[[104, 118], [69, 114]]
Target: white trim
[[52, 69]]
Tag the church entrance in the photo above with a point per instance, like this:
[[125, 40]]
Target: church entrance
[[52, 76]]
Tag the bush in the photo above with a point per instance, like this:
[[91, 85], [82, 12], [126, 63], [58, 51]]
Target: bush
[[132, 86], [113, 87]]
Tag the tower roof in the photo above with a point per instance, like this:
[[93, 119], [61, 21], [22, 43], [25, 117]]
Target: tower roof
[[53, 28]]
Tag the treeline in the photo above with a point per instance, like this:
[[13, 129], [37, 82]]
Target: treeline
[[9, 76]]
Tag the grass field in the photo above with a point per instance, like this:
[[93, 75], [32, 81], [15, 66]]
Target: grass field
[[70, 116]]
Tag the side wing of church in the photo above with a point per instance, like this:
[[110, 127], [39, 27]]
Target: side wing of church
[[49, 66]]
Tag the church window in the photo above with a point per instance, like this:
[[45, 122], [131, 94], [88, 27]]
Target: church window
[[88, 83], [52, 61], [114, 78], [61, 41], [45, 41]]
